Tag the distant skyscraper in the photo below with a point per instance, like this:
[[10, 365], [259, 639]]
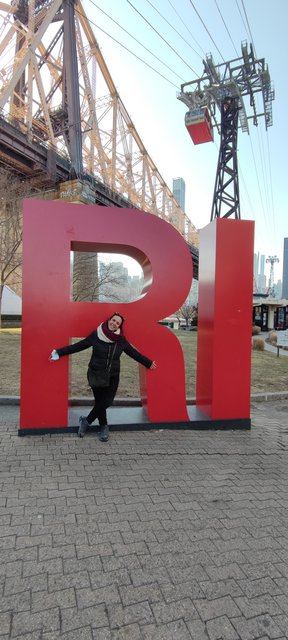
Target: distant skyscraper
[[262, 286], [179, 191], [278, 289], [285, 270], [261, 276], [256, 265]]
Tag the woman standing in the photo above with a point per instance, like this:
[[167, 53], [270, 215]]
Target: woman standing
[[108, 343]]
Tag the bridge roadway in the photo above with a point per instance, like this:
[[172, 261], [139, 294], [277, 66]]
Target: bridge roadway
[[46, 169]]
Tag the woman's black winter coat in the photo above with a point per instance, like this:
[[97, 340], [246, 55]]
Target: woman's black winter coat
[[102, 352]]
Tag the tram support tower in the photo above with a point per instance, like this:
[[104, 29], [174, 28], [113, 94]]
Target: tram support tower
[[225, 89], [271, 260]]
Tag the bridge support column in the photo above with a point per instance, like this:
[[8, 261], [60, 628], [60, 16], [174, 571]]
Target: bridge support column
[[85, 265]]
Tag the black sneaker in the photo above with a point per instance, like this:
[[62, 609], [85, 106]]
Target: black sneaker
[[104, 433], [83, 427]]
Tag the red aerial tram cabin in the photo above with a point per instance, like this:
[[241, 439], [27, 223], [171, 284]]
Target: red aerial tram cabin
[[199, 126]]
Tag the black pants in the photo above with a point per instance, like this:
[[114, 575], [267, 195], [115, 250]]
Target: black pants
[[103, 400]]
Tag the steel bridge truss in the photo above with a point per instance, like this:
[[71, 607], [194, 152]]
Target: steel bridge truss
[[55, 88]]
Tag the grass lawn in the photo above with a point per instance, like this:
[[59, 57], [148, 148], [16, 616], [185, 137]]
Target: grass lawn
[[269, 373]]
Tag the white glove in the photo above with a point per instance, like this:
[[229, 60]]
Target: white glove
[[54, 355]]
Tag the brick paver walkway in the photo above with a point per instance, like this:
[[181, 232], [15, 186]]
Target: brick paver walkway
[[152, 536]]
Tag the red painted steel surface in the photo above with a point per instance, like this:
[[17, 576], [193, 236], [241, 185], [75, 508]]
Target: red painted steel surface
[[225, 319], [50, 319]]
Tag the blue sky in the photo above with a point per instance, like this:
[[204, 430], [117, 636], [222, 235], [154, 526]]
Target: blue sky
[[159, 117]]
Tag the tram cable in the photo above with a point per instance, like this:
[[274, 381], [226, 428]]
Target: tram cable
[[267, 178], [185, 25], [248, 31], [271, 183], [252, 149], [225, 25], [202, 21], [258, 182], [126, 48], [172, 27], [138, 41], [261, 151], [162, 38], [263, 167], [243, 22], [248, 25], [206, 29]]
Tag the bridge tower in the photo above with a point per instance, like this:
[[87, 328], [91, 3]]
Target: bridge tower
[[57, 123]]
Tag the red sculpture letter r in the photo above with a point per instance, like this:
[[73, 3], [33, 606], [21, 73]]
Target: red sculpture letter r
[[50, 319]]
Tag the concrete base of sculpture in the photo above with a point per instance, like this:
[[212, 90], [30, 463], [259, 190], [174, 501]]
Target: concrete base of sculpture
[[135, 419]]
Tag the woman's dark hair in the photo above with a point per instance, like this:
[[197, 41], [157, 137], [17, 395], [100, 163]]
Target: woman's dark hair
[[116, 313]]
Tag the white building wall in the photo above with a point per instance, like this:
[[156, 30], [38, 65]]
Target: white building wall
[[11, 303]]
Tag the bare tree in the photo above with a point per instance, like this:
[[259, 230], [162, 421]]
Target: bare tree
[[11, 191], [179, 316], [187, 312], [85, 282], [93, 280], [195, 315], [117, 285], [113, 283]]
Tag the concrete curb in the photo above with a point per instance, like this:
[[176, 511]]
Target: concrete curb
[[135, 402], [79, 401]]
